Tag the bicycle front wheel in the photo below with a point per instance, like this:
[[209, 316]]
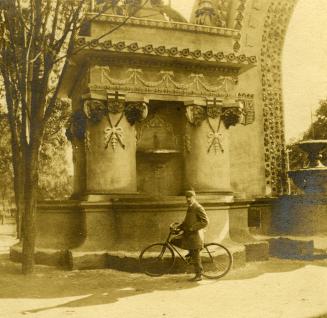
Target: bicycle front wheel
[[157, 259], [216, 260]]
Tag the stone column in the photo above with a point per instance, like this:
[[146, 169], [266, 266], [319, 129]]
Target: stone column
[[111, 145], [207, 159]]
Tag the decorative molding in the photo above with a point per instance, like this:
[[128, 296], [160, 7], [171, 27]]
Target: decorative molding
[[165, 83], [188, 27], [275, 26], [149, 49], [247, 102], [125, 61], [238, 24]]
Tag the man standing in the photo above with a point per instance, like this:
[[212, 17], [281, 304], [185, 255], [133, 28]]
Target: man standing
[[192, 238]]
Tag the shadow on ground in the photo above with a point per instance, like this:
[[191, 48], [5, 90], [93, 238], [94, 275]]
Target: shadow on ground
[[97, 287]]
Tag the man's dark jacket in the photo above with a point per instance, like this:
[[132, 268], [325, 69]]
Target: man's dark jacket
[[195, 221]]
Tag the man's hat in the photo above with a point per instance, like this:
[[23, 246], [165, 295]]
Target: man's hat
[[190, 193]]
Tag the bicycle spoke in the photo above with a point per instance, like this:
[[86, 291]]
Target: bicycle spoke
[[216, 260], [157, 259]]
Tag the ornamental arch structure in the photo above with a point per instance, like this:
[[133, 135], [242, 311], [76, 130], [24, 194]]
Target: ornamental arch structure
[[161, 106]]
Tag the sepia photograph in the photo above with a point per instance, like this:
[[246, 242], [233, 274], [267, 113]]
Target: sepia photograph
[[163, 158]]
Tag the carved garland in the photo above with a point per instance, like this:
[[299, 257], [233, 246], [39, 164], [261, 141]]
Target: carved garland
[[278, 15], [196, 85]]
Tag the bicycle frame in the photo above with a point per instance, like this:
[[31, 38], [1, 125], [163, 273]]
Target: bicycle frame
[[167, 242]]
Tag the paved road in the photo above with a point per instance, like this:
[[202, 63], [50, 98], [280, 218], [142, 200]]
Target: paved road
[[277, 288]]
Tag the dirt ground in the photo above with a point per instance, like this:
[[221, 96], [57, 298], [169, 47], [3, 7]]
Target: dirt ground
[[276, 288]]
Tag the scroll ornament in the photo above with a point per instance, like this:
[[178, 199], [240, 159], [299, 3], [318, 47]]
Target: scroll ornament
[[229, 113], [94, 110], [136, 112], [231, 116], [195, 114]]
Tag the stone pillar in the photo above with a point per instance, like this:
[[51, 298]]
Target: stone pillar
[[111, 144], [207, 159]]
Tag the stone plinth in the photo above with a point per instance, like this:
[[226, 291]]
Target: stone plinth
[[112, 233]]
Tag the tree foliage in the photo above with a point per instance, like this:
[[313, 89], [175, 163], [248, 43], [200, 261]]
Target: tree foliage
[[6, 173], [36, 42]]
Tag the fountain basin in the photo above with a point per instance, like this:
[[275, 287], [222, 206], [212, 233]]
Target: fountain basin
[[310, 180], [313, 146]]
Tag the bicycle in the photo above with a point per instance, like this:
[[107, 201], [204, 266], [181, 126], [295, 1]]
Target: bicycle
[[159, 258]]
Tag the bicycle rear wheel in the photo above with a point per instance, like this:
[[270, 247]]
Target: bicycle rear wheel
[[216, 260], [157, 259]]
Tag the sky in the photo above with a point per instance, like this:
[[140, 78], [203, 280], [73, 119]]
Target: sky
[[304, 62], [304, 65]]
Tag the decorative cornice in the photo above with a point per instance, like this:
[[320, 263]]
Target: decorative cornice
[[185, 53], [188, 27]]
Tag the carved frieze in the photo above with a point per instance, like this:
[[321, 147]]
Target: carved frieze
[[171, 25], [165, 83]]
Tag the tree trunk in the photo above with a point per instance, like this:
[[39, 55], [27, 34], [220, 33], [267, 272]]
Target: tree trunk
[[19, 199], [29, 216]]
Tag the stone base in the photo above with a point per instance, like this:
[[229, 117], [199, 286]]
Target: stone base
[[119, 260], [257, 251], [111, 234], [50, 257], [297, 247]]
